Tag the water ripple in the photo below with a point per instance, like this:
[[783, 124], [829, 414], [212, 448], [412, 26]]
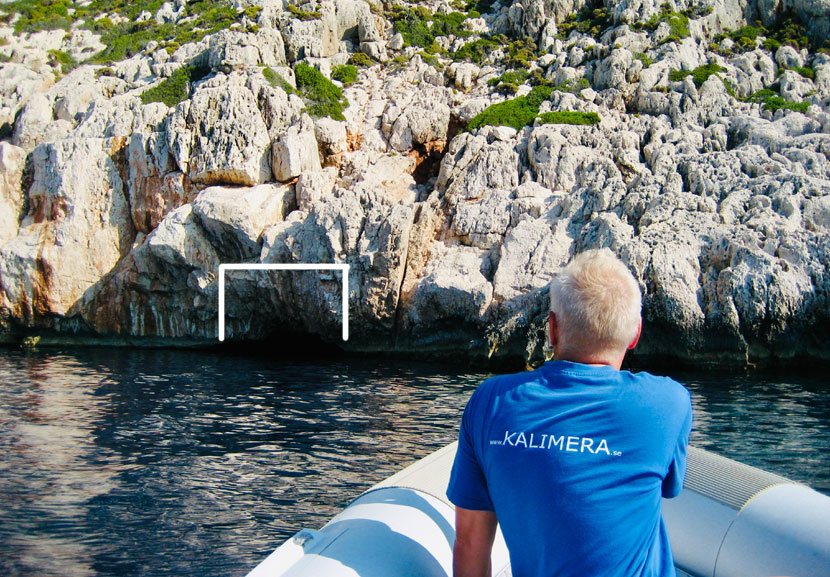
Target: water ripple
[[119, 462]]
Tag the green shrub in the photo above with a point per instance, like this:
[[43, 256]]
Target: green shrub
[[62, 59], [591, 20], [414, 26], [252, 12], [514, 77], [419, 27], [475, 51], [127, 38], [430, 59], [347, 74], [643, 57], [538, 94], [480, 6], [176, 87], [570, 117], [702, 73], [449, 25], [746, 37], [789, 30], [321, 95], [521, 53], [678, 75], [170, 47], [303, 15], [772, 44], [573, 86], [774, 103], [35, 15], [805, 72], [101, 25], [516, 113], [361, 59], [762, 95], [277, 81], [678, 23]]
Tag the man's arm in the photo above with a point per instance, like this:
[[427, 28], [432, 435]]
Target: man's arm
[[474, 535]]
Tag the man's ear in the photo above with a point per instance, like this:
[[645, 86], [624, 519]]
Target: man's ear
[[553, 327], [637, 336]]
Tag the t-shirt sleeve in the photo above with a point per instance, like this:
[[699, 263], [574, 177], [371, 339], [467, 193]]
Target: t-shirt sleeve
[[673, 482], [468, 486]]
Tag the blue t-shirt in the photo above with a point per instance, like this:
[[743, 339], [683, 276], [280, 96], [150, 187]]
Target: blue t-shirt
[[574, 459]]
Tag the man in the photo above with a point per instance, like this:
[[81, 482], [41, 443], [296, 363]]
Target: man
[[572, 459]]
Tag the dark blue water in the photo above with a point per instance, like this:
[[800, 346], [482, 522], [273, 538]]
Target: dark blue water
[[118, 462]]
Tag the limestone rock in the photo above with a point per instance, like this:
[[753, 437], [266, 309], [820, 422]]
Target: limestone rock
[[18, 84], [313, 186], [235, 218], [231, 49], [332, 140], [220, 137], [296, 151], [454, 287], [717, 203], [279, 110], [180, 240], [77, 228], [12, 162], [36, 124], [421, 121], [155, 184]]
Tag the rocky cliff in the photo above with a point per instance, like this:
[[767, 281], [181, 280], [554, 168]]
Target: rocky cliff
[[453, 154]]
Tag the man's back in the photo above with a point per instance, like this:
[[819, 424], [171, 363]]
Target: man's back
[[574, 459]]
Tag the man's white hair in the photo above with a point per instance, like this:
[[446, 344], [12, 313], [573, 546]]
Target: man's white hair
[[597, 303]]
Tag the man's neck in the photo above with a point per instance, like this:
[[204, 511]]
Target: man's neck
[[594, 359]]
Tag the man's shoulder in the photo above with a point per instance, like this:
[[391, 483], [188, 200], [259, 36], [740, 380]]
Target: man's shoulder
[[498, 385], [659, 386]]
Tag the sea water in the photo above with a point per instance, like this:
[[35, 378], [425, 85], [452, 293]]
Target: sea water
[[147, 462]]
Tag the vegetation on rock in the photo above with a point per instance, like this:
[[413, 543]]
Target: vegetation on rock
[[700, 74], [125, 35], [346, 74], [678, 23], [322, 97], [302, 14], [773, 103], [361, 59], [277, 81], [62, 59], [517, 112], [644, 58], [787, 31], [476, 51], [591, 20], [419, 27], [176, 87], [570, 117]]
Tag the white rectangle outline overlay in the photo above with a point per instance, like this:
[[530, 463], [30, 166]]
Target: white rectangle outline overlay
[[343, 268]]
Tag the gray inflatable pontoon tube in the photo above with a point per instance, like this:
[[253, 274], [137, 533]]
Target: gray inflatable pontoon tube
[[731, 520]]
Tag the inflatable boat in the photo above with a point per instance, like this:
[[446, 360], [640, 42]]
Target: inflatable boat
[[731, 520]]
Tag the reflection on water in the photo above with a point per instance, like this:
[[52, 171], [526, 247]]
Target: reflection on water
[[118, 462], [779, 424], [173, 463]]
